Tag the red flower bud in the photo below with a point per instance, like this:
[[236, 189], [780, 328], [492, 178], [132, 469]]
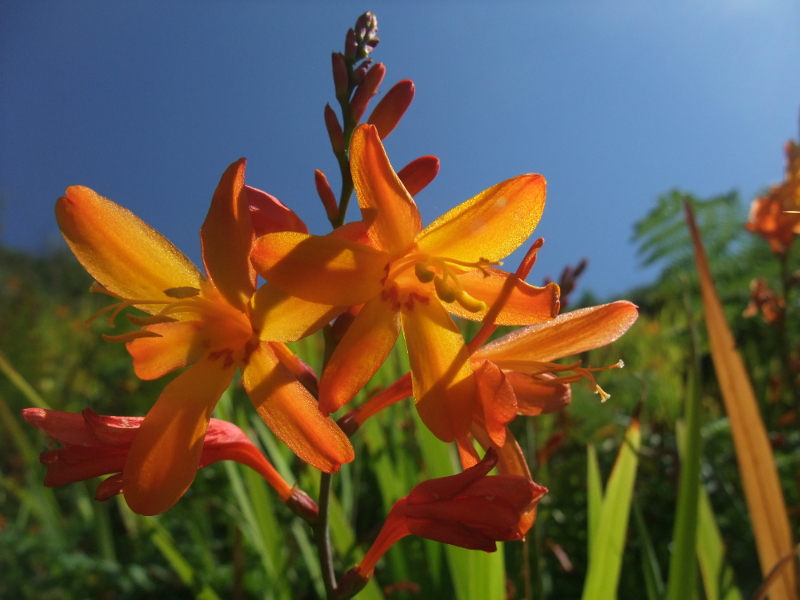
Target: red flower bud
[[326, 195], [365, 91], [270, 215], [417, 174], [334, 130], [339, 65], [392, 107]]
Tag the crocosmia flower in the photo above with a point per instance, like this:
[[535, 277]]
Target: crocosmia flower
[[410, 278], [94, 445], [214, 323], [471, 509]]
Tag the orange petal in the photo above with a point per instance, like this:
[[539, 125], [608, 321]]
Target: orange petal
[[119, 250], [444, 387], [270, 215], [364, 347], [292, 413], [521, 304], [489, 226], [325, 269], [568, 334], [497, 400], [227, 237], [390, 213], [535, 397], [179, 344], [279, 317], [165, 454]]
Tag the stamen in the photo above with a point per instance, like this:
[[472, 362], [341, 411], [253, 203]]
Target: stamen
[[444, 291], [124, 338], [578, 373], [153, 320]]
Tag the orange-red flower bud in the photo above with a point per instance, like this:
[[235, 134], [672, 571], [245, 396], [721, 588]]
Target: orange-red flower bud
[[417, 174], [471, 510], [366, 90], [334, 130], [270, 215], [340, 79], [326, 195], [392, 107], [93, 445]]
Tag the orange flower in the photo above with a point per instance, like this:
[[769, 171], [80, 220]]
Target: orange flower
[[776, 216], [471, 510], [95, 445], [409, 277], [215, 323]]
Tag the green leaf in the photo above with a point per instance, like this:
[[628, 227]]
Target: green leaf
[[594, 493], [605, 558]]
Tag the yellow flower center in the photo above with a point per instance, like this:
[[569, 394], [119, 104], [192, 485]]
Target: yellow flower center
[[226, 329], [404, 289]]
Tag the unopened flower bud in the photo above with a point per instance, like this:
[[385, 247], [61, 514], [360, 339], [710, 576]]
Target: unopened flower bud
[[392, 107], [358, 74], [350, 45], [417, 174], [365, 91], [334, 130], [351, 583], [339, 66], [326, 195], [366, 34], [302, 505]]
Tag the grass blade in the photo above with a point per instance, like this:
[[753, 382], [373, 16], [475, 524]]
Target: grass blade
[[594, 494], [765, 501], [605, 559]]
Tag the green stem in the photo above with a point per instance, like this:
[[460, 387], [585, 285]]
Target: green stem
[[322, 537]]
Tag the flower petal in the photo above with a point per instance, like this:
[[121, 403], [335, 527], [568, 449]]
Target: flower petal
[[279, 317], [325, 269], [119, 250], [390, 213], [227, 237], [498, 404], [489, 226], [66, 427], [535, 396], [165, 454], [360, 353], [568, 334], [292, 413], [179, 344], [270, 215], [444, 388], [522, 304]]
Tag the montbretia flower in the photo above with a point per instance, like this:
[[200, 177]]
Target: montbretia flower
[[214, 323], [776, 216], [409, 277], [94, 445], [472, 510]]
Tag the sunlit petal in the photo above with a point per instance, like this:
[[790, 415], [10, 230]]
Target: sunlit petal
[[498, 403], [444, 387], [120, 250], [489, 226], [279, 317], [164, 456], [568, 334], [522, 304], [360, 353], [227, 237], [535, 397], [391, 216], [179, 345], [292, 413], [325, 269]]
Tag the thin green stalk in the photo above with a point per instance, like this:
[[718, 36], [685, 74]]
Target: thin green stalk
[[322, 537]]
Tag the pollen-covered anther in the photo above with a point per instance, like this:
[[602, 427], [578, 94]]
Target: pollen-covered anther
[[423, 273]]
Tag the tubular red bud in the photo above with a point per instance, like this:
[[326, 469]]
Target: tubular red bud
[[392, 107], [326, 195], [417, 174], [365, 91], [334, 130], [350, 45], [357, 76], [339, 66]]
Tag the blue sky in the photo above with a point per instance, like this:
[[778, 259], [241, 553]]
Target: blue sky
[[614, 103]]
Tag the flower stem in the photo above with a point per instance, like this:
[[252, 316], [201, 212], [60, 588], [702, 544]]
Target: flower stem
[[322, 537]]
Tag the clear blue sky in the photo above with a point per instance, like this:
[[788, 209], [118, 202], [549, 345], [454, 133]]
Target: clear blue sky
[[613, 102]]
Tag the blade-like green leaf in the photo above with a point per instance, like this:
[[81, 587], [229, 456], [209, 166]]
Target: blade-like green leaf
[[653, 580], [605, 559], [765, 501], [594, 494]]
